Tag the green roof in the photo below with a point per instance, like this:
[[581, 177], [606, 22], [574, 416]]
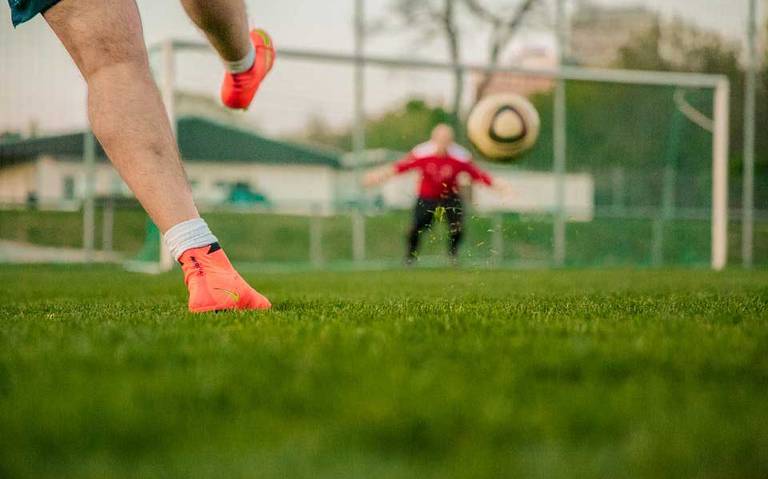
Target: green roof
[[30, 148], [200, 139]]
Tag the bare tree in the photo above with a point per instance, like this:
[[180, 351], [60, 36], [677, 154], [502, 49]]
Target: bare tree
[[503, 29], [439, 18], [433, 18]]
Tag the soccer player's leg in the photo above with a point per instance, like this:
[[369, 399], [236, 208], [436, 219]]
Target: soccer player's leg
[[423, 216], [248, 56], [454, 211], [128, 117], [126, 112]]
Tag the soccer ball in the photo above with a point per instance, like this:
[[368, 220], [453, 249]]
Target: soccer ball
[[503, 126]]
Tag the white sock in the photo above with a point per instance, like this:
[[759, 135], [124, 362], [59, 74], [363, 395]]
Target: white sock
[[244, 64], [187, 235]]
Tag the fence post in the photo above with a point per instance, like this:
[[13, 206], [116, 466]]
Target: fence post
[[89, 179], [748, 194], [316, 237], [358, 133], [618, 190], [108, 225], [497, 239], [657, 242], [560, 140], [358, 234], [665, 214]]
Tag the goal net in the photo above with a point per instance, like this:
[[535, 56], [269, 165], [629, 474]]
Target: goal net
[[630, 168]]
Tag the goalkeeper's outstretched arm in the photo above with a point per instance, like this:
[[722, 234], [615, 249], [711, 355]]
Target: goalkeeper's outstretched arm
[[378, 176], [381, 175], [499, 185]]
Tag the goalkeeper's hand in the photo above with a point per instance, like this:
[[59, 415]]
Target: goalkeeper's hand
[[503, 188], [377, 177]]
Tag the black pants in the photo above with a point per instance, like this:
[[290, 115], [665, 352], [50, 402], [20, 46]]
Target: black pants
[[424, 215]]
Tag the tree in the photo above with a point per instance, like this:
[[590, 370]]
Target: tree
[[406, 126], [397, 129], [439, 18], [10, 136], [604, 119], [318, 132], [677, 46], [503, 27]]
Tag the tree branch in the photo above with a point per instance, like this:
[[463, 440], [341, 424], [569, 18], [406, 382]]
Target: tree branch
[[502, 32]]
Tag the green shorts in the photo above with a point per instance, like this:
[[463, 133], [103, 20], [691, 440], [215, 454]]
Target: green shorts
[[23, 10]]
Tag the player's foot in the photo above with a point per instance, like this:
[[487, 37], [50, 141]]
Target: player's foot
[[238, 89], [213, 283]]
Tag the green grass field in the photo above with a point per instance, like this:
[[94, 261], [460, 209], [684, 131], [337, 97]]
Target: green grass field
[[268, 238], [399, 374]]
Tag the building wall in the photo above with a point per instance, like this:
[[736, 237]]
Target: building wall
[[299, 189], [534, 193], [287, 187], [17, 182], [55, 175]]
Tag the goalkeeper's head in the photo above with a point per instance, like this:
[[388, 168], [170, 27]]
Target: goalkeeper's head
[[442, 137]]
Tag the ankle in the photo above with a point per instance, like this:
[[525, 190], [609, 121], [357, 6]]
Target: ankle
[[244, 64], [187, 235]]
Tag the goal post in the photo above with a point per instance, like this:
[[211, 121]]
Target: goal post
[[720, 175], [718, 85]]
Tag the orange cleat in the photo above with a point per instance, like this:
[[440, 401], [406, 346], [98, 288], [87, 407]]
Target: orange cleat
[[213, 283], [238, 89]]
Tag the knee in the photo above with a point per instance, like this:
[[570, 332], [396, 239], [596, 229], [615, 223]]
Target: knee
[[110, 55], [106, 48]]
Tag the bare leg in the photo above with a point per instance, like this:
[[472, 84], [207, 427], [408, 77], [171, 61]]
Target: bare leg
[[127, 115], [224, 22]]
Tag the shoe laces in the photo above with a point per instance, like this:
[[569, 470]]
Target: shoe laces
[[194, 267], [241, 80]]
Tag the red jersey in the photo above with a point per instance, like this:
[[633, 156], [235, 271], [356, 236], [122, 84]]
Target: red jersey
[[439, 172]]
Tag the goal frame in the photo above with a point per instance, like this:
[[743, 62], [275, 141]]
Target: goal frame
[[719, 84]]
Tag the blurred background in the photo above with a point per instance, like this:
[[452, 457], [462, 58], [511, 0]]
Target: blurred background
[[280, 184]]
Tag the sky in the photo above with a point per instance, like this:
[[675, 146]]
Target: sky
[[38, 83]]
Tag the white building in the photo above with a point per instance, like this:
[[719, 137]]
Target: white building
[[535, 192], [232, 166], [225, 164]]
